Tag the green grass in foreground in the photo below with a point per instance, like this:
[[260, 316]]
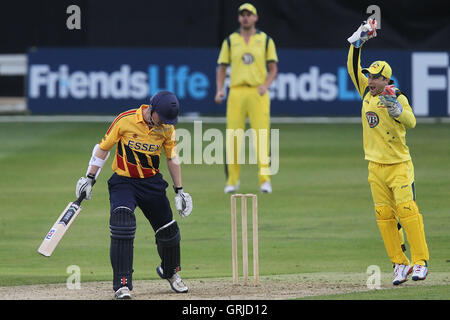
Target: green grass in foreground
[[318, 219], [423, 292]]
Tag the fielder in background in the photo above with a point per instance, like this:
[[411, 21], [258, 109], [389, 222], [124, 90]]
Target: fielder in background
[[139, 136], [249, 52], [386, 114]]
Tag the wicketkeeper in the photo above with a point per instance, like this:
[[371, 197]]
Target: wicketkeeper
[[386, 114], [139, 136]]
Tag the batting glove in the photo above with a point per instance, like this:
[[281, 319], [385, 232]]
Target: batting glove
[[367, 30], [183, 203], [389, 99], [85, 184]]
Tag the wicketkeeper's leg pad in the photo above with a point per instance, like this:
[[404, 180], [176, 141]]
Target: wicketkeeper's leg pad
[[387, 224], [168, 243], [412, 222], [402, 236], [122, 225]]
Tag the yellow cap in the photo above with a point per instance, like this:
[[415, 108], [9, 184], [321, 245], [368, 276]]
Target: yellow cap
[[379, 68], [249, 7]]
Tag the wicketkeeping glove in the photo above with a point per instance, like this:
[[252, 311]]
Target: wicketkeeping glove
[[85, 184], [389, 99], [367, 30], [183, 203]]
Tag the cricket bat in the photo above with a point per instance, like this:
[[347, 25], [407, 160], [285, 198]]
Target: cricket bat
[[60, 227]]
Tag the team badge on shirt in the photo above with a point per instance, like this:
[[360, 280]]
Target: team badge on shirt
[[372, 119], [247, 58]]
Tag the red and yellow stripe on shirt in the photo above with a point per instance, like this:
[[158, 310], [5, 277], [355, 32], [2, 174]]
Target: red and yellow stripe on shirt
[[138, 146]]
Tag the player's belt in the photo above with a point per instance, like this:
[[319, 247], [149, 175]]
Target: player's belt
[[245, 85]]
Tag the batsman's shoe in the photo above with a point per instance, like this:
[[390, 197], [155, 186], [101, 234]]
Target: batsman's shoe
[[122, 294], [231, 189], [419, 272], [176, 283], [401, 273], [266, 187]]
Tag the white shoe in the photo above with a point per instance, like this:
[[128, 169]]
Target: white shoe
[[122, 294], [176, 283], [401, 273], [419, 272], [266, 187], [231, 189]]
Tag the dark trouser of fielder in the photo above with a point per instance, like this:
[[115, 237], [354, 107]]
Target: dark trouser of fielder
[[149, 194]]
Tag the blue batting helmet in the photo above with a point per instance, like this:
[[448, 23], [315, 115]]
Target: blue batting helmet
[[166, 104]]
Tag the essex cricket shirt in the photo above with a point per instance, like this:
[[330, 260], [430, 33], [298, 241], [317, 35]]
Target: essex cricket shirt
[[384, 137], [138, 146], [248, 61]]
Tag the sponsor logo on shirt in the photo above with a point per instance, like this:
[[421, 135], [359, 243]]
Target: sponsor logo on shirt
[[247, 58], [372, 119]]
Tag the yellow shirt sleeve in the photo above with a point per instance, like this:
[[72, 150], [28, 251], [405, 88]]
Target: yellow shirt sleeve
[[271, 55], [224, 55], [407, 117], [170, 143], [112, 136], [354, 70]]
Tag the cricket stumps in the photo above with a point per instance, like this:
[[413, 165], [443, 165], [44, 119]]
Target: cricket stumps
[[244, 198]]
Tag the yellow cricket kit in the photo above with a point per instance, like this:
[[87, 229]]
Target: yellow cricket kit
[[248, 64], [384, 137], [391, 172], [138, 146], [248, 61]]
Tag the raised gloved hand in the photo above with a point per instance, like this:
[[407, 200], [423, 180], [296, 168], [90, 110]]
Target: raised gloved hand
[[85, 184], [389, 99], [183, 203], [367, 30]]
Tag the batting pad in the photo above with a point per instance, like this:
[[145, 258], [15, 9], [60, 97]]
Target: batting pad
[[168, 244], [123, 228]]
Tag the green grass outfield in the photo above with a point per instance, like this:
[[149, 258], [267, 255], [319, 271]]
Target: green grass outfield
[[420, 292], [319, 218]]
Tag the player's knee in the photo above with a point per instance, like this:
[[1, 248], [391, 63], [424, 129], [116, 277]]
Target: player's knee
[[122, 223], [168, 235], [407, 209], [384, 213]]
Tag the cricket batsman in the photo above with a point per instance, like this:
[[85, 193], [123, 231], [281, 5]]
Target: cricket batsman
[[386, 114], [140, 135]]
